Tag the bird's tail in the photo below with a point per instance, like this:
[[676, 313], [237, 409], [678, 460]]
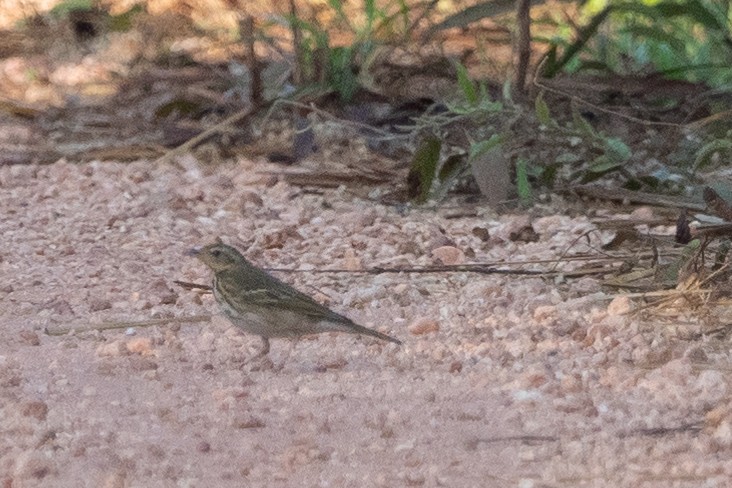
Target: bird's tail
[[360, 329]]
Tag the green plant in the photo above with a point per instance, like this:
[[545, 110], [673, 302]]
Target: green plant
[[605, 154], [335, 67], [706, 153], [439, 163], [689, 39]]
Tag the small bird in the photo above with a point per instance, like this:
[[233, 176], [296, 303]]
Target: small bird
[[263, 305]]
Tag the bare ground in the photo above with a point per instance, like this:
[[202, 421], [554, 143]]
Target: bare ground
[[501, 381]]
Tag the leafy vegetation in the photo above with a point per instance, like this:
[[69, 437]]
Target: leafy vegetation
[[535, 139], [688, 39], [332, 65]]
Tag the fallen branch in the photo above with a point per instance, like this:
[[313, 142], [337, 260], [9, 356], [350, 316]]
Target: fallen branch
[[194, 141], [124, 325]]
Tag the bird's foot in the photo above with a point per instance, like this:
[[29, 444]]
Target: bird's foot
[[261, 361]]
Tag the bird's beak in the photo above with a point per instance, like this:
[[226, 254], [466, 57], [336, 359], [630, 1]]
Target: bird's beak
[[193, 252]]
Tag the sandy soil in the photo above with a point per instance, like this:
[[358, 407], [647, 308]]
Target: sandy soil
[[502, 380]]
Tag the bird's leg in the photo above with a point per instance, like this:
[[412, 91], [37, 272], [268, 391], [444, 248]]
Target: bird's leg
[[262, 358], [265, 348], [291, 348]]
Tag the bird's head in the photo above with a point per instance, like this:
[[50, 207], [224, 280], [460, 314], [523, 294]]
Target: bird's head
[[218, 256]]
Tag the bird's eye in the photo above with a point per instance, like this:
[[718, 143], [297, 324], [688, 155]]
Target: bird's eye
[[216, 253]]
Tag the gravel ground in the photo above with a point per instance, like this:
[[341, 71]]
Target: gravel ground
[[502, 380]]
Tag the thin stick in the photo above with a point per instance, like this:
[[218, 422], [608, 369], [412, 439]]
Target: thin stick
[[124, 325], [593, 106], [193, 142], [523, 45]]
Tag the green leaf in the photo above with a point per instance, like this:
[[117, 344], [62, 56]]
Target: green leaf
[[693, 9], [670, 273], [704, 154], [123, 22], [506, 92], [548, 175], [424, 169], [593, 65], [466, 84], [337, 7], [656, 34], [550, 65], [62, 9], [369, 7], [604, 164], [475, 13], [479, 148], [568, 158], [522, 182], [453, 166], [582, 125], [340, 72], [542, 111], [617, 150], [451, 170]]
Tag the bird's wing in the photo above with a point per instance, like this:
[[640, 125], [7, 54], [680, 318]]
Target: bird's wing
[[293, 300]]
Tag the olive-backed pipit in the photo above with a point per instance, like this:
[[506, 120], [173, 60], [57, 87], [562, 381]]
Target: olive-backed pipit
[[263, 305]]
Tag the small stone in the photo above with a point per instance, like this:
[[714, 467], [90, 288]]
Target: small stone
[[277, 239], [30, 337], [723, 433], [115, 480], [400, 288], [619, 306], [140, 345], [169, 298], [543, 312], [423, 325], [247, 423], [696, 354], [716, 416], [250, 197], [36, 409], [99, 304], [351, 262], [143, 364], [524, 234], [456, 367], [58, 307], [140, 176], [112, 349], [448, 255], [31, 465], [642, 213], [203, 446], [481, 233]]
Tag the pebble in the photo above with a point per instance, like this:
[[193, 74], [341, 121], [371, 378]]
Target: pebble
[[351, 262], [448, 255], [140, 345], [32, 465], [30, 337], [619, 306], [423, 325], [35, 409], [642, 213], [111, 349], [723, 433], [99, 304]]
